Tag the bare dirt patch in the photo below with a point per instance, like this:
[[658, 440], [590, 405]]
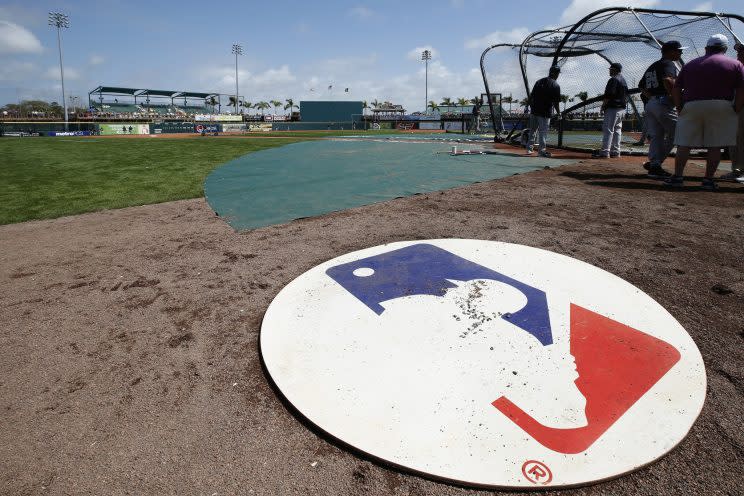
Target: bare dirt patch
[[129, 338]]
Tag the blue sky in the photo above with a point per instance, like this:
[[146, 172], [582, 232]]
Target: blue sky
[[290, 47]]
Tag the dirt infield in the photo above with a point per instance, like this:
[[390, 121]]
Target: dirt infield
[[130, 364]]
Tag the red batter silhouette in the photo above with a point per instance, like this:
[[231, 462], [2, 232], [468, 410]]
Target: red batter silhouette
[[617, 365]]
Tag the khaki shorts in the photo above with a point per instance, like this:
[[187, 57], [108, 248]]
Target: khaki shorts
[[707, 124]]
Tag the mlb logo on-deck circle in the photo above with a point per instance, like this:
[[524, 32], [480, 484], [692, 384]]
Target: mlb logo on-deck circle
[[486, 363]]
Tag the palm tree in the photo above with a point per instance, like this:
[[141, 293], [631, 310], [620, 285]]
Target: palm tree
[[462, 102], [276, 104], [232, 101], [446, 102], [247, 105], [564, 100], [433, 105], [262, 106], [583, 96], [508, 99], [289, 106], [365, 106], [524, 102], [212, 102]]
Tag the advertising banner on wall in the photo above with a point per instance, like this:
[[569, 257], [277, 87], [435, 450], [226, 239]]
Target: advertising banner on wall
[[218, 118], [69, 133], [430, 125], [233, 128], [207, 128], [259, 126], [110, 129], [172, 127]]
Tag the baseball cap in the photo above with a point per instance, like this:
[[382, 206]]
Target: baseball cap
[[717, 40], [555, 70], [673, 45], [617, 66]]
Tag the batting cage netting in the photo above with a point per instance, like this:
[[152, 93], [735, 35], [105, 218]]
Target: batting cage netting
[[584, 51]]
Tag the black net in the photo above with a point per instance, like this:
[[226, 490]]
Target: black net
[[584, 52]]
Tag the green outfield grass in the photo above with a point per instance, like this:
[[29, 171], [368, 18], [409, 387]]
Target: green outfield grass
[[45, 178]]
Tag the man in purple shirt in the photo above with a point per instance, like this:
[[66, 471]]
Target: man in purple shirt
[[737, 152], [708, 93]]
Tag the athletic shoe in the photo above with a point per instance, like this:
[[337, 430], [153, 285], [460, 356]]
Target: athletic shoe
[[545, 154], [709, 185], [674, 181], [599, 154], [657, 172], [614, 155], [732, 176], [740, 179], [529, 151], [647, 165]]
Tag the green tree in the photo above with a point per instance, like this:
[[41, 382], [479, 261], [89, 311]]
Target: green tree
[[290, 105], [564, 100], [583, 96], [212, 102], [446, 102], [462, 102], [262, 105], [277, 104], [432, 105]]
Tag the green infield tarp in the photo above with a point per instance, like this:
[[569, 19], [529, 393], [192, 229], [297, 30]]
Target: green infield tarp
[[316, 177]]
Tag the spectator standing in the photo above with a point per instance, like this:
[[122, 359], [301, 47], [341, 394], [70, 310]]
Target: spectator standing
[[737, 152], [657, 85], [703, 95], [476, 121], [613, 105], [545, 97]]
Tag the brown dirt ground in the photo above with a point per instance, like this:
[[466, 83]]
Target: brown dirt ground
[[130, 365]]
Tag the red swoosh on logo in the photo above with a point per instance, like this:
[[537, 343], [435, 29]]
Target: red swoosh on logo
[[617, 365]]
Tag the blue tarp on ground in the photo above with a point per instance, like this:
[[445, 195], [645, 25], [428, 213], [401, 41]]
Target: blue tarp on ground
[[316, 177]]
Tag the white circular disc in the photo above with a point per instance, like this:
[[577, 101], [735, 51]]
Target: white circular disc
[[484, 363]]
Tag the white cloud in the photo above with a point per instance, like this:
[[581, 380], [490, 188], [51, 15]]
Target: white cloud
[[579, 8], [96, 59], [361, 12], [703, 7], [272, 77], [415, 54], [17, 39], [516, 35], [52, 73]]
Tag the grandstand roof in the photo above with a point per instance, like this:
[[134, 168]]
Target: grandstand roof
[[158, 92], [116, 90]]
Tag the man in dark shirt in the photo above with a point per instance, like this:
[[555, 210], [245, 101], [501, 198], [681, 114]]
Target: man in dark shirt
[[657, 85], [613, 106], [545, 96]]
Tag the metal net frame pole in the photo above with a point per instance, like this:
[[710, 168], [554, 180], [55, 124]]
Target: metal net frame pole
[[496, 127]]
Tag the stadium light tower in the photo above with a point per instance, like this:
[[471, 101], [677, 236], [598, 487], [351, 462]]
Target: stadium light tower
[[426, 57], [237, 50], [60, 21]]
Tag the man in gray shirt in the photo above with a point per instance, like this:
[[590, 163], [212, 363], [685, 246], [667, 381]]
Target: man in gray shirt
[[657, 85]]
